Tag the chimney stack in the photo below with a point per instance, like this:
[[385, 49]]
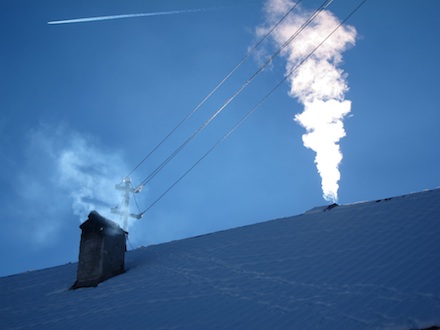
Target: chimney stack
[[102, 251]]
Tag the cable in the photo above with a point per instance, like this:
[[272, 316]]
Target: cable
[[136, 202], [242, 120], [215, 88], [206, 123], [128, 240]]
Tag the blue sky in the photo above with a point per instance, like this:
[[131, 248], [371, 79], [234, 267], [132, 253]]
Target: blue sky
[[81, 104]]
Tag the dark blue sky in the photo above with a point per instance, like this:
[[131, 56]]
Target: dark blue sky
[[81, 104]]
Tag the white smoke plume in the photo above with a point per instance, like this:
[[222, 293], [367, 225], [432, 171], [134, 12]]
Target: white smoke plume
[[63, 169], [89, 174], [318, 83]]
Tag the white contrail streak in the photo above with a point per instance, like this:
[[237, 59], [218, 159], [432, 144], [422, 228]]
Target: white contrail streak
[[105, 18]]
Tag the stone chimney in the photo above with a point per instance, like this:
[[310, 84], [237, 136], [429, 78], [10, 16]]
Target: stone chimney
[[101, 252]]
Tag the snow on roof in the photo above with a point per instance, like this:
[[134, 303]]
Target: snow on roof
[[372, 265]]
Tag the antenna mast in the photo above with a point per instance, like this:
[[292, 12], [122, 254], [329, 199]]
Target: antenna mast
[[125, 186]]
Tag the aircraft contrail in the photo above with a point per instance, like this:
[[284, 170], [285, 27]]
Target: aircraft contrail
[[104, 18]]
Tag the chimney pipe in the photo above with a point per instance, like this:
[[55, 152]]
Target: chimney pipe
[[101, 252]]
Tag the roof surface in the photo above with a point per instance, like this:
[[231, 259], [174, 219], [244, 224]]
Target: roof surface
[[370, 265]]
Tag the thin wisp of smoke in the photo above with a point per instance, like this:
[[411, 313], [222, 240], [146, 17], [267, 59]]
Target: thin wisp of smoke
[[64, 171], [318, 83]]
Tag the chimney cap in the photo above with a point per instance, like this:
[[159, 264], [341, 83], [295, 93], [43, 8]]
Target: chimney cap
[[97, 222]]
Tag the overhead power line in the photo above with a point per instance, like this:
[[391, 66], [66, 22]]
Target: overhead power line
[[243, 119], [215, 88], [244, 85]]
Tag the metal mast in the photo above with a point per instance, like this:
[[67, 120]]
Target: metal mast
[[125, 186]]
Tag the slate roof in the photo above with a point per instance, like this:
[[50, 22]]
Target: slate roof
[[370, 265]]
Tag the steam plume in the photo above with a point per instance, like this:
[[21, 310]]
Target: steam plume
[[318, 84], [66, 171], [105, 18]]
